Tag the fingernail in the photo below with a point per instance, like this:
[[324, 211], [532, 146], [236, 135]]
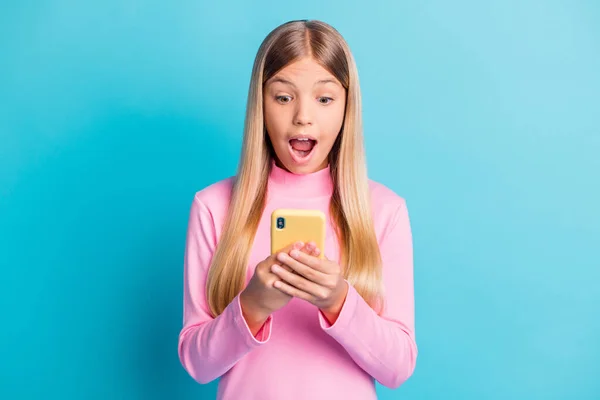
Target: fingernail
[[281, 257], [275, 268], [298, 245], [317, 252], [294, 253]]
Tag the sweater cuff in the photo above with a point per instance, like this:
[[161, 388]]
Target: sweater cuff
[[262, 336], [346, 313]]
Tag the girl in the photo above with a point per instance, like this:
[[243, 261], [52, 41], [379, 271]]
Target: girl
[[293, 325]]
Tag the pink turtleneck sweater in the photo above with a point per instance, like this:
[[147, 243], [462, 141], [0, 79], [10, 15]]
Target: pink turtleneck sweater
[[297, 354]]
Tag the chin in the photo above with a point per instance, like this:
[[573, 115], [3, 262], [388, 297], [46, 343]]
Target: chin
[[301, 169]]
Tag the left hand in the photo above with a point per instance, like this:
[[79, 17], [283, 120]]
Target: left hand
[[318, 281]]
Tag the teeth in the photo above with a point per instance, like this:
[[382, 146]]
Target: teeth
[[303, 139]]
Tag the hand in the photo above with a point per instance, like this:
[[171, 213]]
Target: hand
[[318, 281], [260, 299]]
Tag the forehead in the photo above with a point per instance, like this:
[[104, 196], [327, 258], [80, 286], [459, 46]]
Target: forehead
[[304, 72]]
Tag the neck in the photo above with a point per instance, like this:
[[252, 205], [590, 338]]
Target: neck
[[289, 184]]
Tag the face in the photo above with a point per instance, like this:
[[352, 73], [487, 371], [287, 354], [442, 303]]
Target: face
[[304, 107]]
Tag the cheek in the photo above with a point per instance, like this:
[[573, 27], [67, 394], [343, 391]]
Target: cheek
[[330, 124], [274, 122]]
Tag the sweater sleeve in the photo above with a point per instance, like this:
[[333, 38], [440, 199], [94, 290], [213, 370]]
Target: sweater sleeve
[[208, 346], [383, 345]]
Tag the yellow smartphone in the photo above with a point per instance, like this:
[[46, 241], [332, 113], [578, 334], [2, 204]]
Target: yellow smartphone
[[292, 225]]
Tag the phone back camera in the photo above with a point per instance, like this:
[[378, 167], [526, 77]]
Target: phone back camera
[[280, 223]]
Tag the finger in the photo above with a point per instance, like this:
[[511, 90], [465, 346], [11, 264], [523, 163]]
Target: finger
[[286, 249], [280, 264], [299, 282], [311, 261], [305, 249], [292, 246], [313, 249], [309, 273], [292, 291]]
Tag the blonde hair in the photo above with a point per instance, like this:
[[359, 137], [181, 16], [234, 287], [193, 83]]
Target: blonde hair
[[350, 202]]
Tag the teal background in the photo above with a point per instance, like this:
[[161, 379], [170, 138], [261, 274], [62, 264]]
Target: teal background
[[483, 115]]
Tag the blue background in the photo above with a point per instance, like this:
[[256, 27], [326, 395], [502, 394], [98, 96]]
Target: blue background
[[483, 115]]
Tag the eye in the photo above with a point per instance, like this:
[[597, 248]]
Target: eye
[[328, 100], [283, 99]]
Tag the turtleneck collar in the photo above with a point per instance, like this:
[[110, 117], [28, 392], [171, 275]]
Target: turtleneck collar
[[287, 184]]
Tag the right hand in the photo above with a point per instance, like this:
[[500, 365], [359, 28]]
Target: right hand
[[260, 299]]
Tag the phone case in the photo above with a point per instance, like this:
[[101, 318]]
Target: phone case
[[298, 225]]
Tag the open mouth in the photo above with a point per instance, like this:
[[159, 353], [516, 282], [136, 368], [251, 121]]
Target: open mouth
[[302, 148]]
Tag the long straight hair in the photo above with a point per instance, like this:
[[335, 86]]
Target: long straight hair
[[350, 202]]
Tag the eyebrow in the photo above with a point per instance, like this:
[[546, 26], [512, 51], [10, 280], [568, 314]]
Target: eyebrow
[[286, 82]]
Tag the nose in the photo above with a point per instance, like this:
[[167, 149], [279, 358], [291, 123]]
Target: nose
[[303, 115]]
